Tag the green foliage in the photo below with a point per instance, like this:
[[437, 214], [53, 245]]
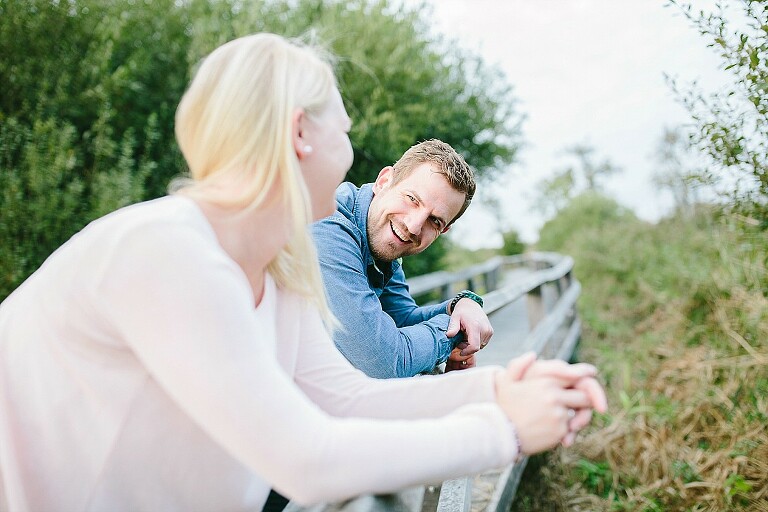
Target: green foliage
[[685, 471], [555, 193], [735, 489], [459, 257], [90, 89], [112, 70], [86, 117], [400, 83], [596, 476], [731, 125], [591, 212], [41, 195], [511, 243], [430, 260]]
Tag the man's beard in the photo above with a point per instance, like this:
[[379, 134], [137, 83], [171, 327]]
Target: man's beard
[[385, 257]]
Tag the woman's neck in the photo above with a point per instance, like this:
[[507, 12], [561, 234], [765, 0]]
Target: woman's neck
[[252, 239]]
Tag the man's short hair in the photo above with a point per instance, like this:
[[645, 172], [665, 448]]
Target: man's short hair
[[448, 163]]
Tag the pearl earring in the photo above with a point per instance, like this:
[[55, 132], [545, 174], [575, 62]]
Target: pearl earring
[[307, 149]]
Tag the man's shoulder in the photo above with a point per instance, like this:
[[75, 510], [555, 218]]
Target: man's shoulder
[[343, 223], [346, 198], [347, 212]]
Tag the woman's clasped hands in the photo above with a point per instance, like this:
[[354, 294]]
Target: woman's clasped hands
[[548, 401]]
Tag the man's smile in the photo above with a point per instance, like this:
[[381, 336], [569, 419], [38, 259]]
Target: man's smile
[[402, 236]]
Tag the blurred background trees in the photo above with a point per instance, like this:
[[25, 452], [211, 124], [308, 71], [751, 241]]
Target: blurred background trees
[[90, 89], [582, 175]]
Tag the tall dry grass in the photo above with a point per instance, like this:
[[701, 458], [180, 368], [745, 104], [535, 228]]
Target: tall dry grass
[[677, 319]]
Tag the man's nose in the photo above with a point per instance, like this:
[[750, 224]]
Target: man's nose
[[415, 221]]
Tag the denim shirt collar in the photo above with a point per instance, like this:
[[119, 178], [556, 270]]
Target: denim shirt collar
[[379, 272]]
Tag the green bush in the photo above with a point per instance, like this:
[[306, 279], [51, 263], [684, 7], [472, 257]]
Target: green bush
[[90, 89]]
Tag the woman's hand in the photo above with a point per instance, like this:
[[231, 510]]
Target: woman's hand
[[548, 401]]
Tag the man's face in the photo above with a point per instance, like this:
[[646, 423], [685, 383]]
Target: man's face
[[406, 217]]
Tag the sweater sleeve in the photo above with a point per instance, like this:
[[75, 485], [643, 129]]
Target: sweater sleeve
[[186, 311], [342, 390]]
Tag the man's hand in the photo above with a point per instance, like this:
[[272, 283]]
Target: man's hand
[[458, 362], [468, 317]]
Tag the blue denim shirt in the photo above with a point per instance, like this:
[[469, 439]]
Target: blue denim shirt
[[384, 332]]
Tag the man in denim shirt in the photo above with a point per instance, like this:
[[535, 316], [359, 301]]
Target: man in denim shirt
[[384, 332]]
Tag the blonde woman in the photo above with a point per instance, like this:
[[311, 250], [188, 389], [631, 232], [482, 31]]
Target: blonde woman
[[174, 355]]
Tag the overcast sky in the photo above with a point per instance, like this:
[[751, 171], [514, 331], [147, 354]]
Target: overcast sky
[[585, 72]]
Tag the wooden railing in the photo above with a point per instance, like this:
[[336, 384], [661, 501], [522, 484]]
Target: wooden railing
[[550, 291]]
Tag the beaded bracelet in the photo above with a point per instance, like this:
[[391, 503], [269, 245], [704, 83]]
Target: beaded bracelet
[[518, 444], [464, 294]]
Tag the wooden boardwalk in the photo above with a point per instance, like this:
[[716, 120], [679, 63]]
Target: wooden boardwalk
[[511, 325], [532, 308], [511, 328]]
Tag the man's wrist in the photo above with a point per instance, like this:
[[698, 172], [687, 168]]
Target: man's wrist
[[464, 294]]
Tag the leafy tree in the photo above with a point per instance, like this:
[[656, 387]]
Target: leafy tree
[[401, 84], [33, 218], [557, 192], [90, 89], [731, 125], [113, 70]]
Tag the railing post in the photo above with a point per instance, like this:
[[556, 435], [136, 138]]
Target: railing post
[[491, 279], [535, 307], [445, 292], [559, 287]]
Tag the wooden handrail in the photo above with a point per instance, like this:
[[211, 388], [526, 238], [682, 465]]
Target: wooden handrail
[[446, 281], [554, 332]]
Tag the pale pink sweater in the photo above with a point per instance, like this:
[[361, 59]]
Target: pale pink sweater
[[135, 374]]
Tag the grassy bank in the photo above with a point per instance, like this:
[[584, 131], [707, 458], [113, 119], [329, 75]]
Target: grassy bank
[[676, 317]]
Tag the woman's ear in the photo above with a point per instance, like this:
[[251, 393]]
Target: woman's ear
[[300, 145]]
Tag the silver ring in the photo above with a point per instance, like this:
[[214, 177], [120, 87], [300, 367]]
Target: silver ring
[[464, 363], [571, 413]]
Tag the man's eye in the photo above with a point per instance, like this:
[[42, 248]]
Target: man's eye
[[413, 199], [437, 223]]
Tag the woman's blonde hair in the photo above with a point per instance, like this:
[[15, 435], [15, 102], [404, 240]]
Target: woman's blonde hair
[[234, 123]]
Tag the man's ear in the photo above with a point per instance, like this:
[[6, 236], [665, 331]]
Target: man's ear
[[383, 179], [297, 133]]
